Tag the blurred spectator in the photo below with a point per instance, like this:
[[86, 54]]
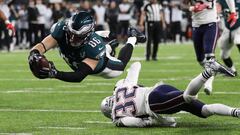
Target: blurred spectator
[[67, 9], [14, 16], [57, 13], [32, 21], [125, 14], [3, 30], [48, 18], [100, 12], [86, 6], [41, 20], [176, 17], [154, 22], [167, 31], [23, 26], [111, 18]]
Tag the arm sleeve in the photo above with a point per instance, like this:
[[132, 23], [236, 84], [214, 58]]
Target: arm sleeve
[[145, 122], [76, 76], [231, 5]]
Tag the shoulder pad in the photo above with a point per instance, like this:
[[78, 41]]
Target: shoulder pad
[[57, 30]]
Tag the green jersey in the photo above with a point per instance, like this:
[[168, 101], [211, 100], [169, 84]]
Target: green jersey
[[226, 12], [93, 47]]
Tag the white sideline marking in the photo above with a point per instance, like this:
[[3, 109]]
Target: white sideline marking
[[96, 92], [15, 133], [165, 58], [68, 128], [104, 83], [61, 92], [71, 86], [100, 84], [45, 110], [146, 71], [98, 122]]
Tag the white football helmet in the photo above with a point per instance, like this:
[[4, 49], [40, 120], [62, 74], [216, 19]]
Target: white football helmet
[[106, 106]]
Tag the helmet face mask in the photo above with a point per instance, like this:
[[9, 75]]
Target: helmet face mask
[[106, 106], [79, 27]]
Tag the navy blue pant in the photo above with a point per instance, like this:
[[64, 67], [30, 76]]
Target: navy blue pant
[[204, 39], [166, 99]]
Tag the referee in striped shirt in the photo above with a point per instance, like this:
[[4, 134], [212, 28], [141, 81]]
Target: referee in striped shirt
[[154, 23]]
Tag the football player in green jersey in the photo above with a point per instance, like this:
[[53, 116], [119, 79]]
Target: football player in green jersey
[[83, 50], [230, 35]]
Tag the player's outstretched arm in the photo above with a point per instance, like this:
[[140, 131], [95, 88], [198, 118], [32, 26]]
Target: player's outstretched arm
[[38, 63], [46, 44], [133, 73], [144, 122], [134, 122], [85, 68]]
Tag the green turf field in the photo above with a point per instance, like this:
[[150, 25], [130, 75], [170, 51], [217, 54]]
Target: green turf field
[[48, 107]]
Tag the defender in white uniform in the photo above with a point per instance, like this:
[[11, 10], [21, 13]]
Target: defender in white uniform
[[205, 29], [134, 106], [230, 35]]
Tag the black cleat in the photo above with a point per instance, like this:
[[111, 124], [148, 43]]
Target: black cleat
[[133, 32], [114, 44]]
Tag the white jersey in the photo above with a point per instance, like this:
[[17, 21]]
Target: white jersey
[[130, 101], [205, 16], [130, 105]]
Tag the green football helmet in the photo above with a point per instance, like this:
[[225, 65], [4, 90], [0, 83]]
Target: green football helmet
[[79, 27]]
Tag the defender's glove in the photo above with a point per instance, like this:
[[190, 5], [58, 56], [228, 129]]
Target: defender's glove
[[232, 19], [11, 27], [198, 7]]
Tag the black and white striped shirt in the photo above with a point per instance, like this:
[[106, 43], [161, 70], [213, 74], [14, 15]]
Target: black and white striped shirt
[[153, 12]]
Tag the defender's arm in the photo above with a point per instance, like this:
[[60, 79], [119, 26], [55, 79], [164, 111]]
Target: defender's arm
[[135, 122]]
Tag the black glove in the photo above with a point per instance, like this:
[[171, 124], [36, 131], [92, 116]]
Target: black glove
[[33, 61], [50, 72], [34, 57], [114, 44], [40, 66]]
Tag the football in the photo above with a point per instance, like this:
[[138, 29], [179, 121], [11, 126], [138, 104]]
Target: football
[[43, 63], [38, 65]]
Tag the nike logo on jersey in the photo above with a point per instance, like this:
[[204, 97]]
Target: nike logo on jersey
[[100, 48]]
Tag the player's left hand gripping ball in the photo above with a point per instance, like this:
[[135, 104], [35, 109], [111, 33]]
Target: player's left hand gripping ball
[[40, 66], [232, 19]]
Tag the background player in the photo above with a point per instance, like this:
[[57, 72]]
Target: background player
[[230, 35], [83, 50], [205, 29], [135, 106], [9, 25]]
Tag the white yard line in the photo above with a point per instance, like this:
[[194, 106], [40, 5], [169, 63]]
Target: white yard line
[[98, 122], [70, 111], [50, 110], [15, 133], [54, 92], [96, 92], [64, 128], [104, 80]]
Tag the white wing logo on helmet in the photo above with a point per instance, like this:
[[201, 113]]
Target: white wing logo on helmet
[[83, 30]]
